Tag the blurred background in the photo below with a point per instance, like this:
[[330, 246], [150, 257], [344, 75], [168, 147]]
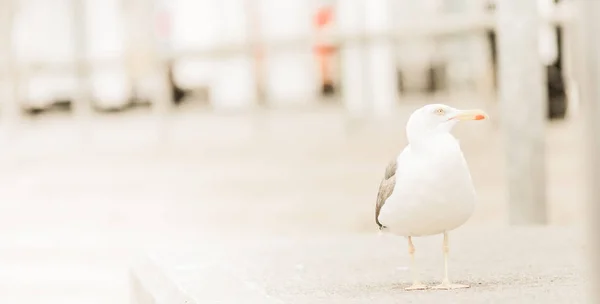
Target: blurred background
[[129, 124]]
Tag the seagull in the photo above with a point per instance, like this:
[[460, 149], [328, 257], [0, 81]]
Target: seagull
[[427, 189]]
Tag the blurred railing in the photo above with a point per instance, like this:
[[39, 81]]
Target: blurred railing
[[351, 37]]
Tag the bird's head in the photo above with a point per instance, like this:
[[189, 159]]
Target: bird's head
[[437, 118]]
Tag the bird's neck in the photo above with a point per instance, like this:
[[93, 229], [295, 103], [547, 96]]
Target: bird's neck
[[432, 141]]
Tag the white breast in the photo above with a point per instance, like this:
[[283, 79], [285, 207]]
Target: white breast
[[433, 193]]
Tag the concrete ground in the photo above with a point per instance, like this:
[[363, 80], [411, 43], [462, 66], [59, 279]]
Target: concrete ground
[[74, 218], [518, 265]]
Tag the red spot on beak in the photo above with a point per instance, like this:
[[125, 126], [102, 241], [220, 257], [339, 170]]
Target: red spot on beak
[[479, 117]]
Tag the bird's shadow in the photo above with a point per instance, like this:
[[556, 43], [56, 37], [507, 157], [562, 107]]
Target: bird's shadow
[[430, 284], [479, 284]]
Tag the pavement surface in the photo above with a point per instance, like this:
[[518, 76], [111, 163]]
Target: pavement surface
[[514, 265], [83, 201]]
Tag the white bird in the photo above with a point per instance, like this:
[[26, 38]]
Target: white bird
[[427, 189]]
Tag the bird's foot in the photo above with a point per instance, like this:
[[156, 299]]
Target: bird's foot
[[416, 286], [448, 286]]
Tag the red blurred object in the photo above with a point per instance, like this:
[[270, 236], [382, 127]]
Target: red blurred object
[[324, 16], [324, 49], [163, 24]]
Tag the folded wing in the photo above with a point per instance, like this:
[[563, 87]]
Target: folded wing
[[386, 187]]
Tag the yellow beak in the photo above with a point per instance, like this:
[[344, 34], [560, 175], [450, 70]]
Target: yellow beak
[[470, 115]]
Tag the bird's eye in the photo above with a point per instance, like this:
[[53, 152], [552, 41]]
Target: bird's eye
[[439, 111]]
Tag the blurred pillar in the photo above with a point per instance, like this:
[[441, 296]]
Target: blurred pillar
[[159, 16], [351, 18], [9, 110], [290, 74], [325, 48], [469, 62], [149, 53], [571, 50], [523, 107], [381, 60], [255, 40], [587, 51], [82, 103], [233, 69]]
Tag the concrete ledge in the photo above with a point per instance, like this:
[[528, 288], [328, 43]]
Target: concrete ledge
[[504, 265], [149, 284]]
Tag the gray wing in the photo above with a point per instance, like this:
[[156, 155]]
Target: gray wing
[[386, 187]]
